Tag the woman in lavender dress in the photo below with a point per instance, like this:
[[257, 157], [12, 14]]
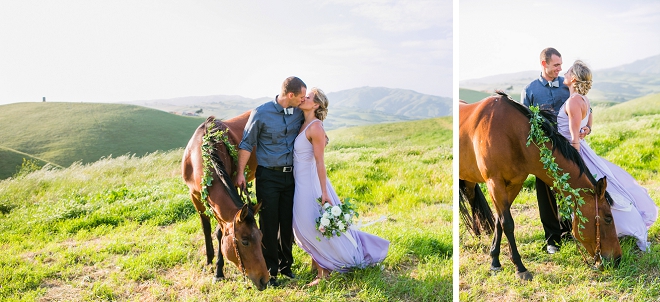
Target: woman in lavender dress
[[337, 253], [633, 210]]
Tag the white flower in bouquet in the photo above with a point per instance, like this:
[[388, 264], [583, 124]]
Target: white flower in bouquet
[[335, 220], [336, 211]]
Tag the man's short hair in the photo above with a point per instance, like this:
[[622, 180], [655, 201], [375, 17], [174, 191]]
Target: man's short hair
[[293, 84], [547, 53]]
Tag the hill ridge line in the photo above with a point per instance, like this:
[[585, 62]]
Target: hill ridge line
[[31, 156]]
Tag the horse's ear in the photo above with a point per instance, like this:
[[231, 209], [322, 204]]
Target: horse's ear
[[243, 213], [256, 208], [601, 186]]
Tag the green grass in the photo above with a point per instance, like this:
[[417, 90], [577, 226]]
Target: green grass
[[124, 228], [644, 106], [473, 96], [628, 135], [64, 133]]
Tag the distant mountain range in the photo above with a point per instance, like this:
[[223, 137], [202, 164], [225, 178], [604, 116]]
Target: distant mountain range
[[617, 84], [352, 107]]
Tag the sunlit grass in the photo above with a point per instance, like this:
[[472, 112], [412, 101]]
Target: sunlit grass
[[124, 228]]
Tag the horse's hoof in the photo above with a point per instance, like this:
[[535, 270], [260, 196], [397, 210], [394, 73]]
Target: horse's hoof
[[525, 276], [495, 269], [218, 279]]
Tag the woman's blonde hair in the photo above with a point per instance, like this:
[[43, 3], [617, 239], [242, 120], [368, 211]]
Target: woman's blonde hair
[[582, 75], [322, 101]]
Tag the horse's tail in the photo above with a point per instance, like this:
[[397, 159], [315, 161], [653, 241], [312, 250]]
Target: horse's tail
[[481, 218], [212, 125]]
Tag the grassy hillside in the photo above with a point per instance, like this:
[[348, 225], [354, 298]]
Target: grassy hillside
[[12, 160], [645, 106], [64, 133], [340, 117], [397, 102], [124, 229], [628, 135], [471, 96]]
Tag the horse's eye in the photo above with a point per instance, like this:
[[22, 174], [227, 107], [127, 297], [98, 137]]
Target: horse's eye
[[245, 242], [608, 219]]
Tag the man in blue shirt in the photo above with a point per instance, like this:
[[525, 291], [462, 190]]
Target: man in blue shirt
[[548, 92], [272, 128]]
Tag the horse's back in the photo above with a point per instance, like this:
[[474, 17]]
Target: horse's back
[[470, 116], [192, 162], [491, 138]]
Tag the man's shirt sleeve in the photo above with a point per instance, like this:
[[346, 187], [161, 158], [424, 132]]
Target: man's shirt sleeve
[[251, 132], [525, 99]]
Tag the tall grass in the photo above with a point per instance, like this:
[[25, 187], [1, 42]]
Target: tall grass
[[124, 228]]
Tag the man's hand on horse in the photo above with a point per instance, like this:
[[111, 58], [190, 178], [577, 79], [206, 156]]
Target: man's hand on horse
[[240, 181]]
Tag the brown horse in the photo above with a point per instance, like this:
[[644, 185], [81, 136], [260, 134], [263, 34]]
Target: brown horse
[[492, 143], [238, 234]]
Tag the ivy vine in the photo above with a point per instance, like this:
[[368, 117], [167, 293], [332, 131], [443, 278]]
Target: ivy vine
[[568, 199], [208, 148]]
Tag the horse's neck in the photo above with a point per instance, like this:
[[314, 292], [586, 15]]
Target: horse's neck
[[576, 180], [228, 212]]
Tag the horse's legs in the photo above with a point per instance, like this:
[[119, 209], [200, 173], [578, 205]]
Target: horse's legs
[[219, 275], [508, 227], [206, 227], [495, 264], [503, 196]]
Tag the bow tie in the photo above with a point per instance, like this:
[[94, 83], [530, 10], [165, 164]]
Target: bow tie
[[554, 83], [288, 111]]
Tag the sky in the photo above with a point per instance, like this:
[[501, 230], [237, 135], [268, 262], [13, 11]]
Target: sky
[[507, 36], [119, 51]]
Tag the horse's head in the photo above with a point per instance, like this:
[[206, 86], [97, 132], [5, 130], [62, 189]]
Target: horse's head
[[599, 234], [241, 245]]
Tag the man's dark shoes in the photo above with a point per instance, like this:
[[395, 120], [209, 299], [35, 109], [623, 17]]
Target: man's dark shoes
[[288, 273], [273, 283], [552, 249]]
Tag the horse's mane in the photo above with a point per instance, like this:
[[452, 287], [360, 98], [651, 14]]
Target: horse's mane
[[219, 166], [559, 142]]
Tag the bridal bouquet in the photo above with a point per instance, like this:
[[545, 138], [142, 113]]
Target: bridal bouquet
[[335, 220]]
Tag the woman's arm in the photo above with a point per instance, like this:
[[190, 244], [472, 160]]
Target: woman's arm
[[316, 135], [574, 109]]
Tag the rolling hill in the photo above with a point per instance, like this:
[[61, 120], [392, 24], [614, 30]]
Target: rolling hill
[[60, 134], [617, 84], [64, 133], [352, 107], [646, 106], [472, 96]]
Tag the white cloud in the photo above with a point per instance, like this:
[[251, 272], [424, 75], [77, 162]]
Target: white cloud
[[507, 36], [402, 15], [125, 50]]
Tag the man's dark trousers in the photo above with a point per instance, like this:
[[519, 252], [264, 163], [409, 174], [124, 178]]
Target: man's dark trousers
[[275, 191], [549, 216]]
